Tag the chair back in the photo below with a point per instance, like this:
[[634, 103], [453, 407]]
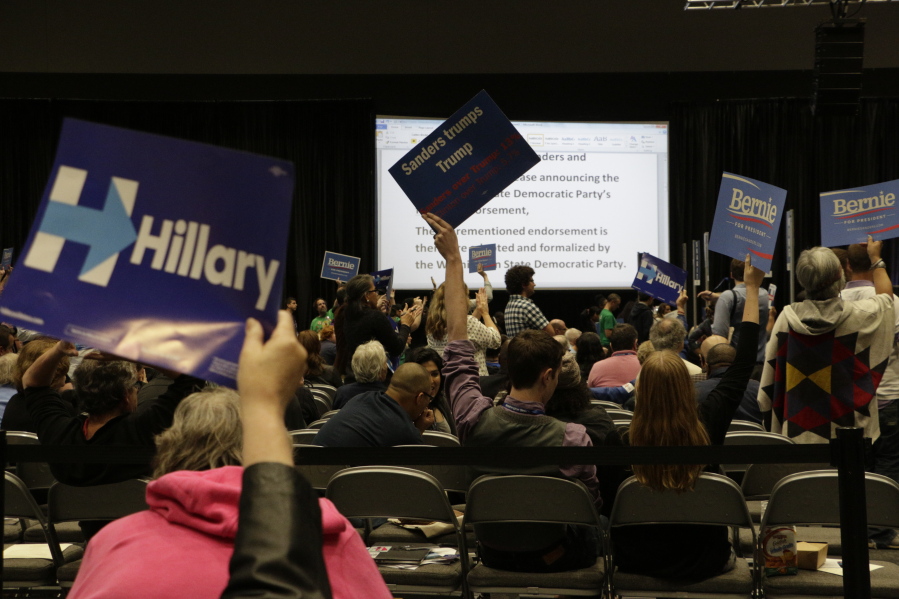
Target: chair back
[[453, 477], [438, 439], [303, 436], [751, 437], [605, 404], [100, 502], [329, 390], [810, 498], [322, 402], [327, 415], [744, 425], [35, 475], [498, 506], [317, 424], [759, 479], [619, 414], [18, 503], [715, 499]]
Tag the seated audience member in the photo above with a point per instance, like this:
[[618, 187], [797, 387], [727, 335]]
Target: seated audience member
[[573, 335], [589, 353], [317, 372], [641, 316], [570, 402], [329, 347], [718, 359], [563, 341], [499, 317], [534, 363], [16, 416], [666, 414], [433, 363], [370, 369], [7, 379], [494, 384], [8, 342], [622, 366], [193, 505], [484, 335], [107, 396], [588, 318], [643, 351], [558, 326], [397, 416], [491, 356], [852, 340], [359, 320], [667, 334]]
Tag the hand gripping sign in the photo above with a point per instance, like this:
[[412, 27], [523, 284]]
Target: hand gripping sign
[[660, 279], [154, 249]]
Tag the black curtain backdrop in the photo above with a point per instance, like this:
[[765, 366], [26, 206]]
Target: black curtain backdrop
[[330, 142], [779, 141]]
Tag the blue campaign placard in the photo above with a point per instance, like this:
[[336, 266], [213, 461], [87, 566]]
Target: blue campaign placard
[[747, 219], [850, 215], [662, 280], [485, 255], [154, 249], [6, 260], [339, 267], [465, 162], [383, 280]]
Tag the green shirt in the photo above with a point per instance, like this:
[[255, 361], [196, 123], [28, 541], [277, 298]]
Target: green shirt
[[606, 322], [319, 322]]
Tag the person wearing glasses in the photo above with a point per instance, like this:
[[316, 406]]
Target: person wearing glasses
[[397, 416], [359, 320]]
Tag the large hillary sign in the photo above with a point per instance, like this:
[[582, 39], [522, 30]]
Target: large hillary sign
[[747, 219], [465, 162], [850, 215], [660, 279], [154, 249]]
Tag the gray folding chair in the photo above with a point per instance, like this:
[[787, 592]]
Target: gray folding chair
[[759, 480], [608, 405], [811, 498], [438, 439], [754, 437], [531, 512], [303, 436], [329, 390], [32, 572], [744, 425], [327, 415], [715, 500], [620, 415], [317, 424], [322, 402], [318, 475], [100, 502], [393, 492]]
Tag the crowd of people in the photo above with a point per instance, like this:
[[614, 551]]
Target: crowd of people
[[446, 363]]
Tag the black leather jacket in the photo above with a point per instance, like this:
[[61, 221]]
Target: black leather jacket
[[278, 548]]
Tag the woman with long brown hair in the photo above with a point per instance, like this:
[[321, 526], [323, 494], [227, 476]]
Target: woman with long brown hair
[[666, 414]]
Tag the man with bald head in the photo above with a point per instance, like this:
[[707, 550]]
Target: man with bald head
[[717, 358], [397, 416]]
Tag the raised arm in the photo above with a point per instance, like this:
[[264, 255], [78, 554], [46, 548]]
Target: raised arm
[[42, 371], [454, 291], [882, 282]]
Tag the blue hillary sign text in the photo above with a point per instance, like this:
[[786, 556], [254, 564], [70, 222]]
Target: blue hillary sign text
[[660, 279]]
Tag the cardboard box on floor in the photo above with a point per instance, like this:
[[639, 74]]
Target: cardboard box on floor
[[811, 556]]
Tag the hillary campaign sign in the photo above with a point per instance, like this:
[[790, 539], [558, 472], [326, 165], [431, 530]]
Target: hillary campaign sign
[[340, 268], [850, 215], [484, 255], [383, 280], [154, 249], [747, 219], [660, 279], [465, 162]]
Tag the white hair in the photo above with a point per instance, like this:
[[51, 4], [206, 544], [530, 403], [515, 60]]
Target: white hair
[[368, 361], [819, 272]]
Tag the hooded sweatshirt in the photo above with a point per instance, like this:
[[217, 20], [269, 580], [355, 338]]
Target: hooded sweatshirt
[[181, 546], [823, 364]]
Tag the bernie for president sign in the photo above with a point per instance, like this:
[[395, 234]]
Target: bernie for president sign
[[154, 249]]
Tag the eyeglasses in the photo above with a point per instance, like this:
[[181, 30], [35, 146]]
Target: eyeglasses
[[371, 291], [428, 395]]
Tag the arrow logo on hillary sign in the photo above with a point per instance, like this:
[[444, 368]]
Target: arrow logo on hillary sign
[[106, 232], [646, 273]]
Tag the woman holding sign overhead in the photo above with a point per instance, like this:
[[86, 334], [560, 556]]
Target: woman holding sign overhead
[[359, 320], [483, 336]]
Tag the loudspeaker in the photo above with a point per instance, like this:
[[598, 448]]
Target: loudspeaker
[[839, 51]]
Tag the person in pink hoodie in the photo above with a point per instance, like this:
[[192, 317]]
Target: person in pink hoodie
[[181, 546]]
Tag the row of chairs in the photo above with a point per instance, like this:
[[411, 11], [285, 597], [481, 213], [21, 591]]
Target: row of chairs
[[804, 498]]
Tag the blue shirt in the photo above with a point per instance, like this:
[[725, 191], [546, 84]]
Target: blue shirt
[[372, 419]]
